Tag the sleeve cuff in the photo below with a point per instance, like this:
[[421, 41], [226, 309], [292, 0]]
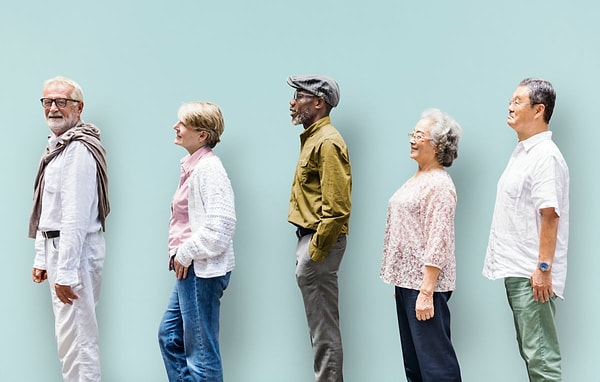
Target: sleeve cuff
[[182, 257], [69, 278]]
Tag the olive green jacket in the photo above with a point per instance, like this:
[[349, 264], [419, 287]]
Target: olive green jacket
[[320, 198]]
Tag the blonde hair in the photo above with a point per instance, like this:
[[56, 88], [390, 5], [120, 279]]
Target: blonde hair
[[203, 116]]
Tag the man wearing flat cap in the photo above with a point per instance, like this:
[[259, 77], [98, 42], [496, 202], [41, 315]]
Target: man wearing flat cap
[[320, 210]]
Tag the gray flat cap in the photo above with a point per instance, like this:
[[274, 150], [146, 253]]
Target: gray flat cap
[[321, 86]]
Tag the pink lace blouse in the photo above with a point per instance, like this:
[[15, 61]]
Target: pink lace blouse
[[420, 231]]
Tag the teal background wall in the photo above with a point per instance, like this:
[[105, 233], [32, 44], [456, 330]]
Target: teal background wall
[[137, 61]]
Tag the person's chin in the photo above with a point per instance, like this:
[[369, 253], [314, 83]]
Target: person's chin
[[57, 128]]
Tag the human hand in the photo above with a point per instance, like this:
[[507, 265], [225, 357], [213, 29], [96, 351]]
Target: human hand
[[181, 271], [424, 306], [65, 294], [39, 275], [541, 283]]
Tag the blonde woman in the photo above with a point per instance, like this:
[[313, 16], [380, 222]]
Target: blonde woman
[[201, 230]]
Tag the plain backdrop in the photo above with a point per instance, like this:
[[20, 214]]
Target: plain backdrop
[[137, 61]]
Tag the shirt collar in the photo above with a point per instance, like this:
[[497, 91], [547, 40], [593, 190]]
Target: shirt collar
[[532, 141], [189, 161], [315, 126], [52, 141]]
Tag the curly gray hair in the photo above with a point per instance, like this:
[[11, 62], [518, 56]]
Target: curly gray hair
[[445, 133]]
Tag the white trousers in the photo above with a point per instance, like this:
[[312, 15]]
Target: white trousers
[[75, 325]]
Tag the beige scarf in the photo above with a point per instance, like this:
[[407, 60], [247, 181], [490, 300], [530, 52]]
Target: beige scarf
[[89, 135]]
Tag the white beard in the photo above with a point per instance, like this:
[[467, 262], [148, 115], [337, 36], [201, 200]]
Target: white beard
[[59, 126]]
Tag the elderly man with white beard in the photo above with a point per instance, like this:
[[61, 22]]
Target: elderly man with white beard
[[70, 206]]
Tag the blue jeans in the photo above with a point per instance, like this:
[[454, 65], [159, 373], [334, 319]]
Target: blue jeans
[[189, 331], [426, 346]]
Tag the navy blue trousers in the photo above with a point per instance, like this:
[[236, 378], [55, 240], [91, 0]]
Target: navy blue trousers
[[426, 346]]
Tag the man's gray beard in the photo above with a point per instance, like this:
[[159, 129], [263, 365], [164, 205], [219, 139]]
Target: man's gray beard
[[60, 127], [299, 119]]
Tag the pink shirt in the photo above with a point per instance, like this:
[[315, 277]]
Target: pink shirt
[[420, 231], [179, 224]]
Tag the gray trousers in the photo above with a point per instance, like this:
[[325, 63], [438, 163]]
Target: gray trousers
[[318, 283]]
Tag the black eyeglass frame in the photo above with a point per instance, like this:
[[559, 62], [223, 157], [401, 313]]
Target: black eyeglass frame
[[60, 102]]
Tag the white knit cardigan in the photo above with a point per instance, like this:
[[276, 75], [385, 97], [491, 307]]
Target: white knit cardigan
[[211, 209]]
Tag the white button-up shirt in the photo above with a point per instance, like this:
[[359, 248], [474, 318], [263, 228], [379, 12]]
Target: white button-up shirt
[[69, 205], [536, 177]]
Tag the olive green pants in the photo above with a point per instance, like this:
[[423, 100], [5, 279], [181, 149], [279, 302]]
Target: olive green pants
[[536, 331]]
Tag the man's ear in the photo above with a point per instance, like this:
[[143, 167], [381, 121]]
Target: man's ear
[[320, 104], [540, 108]]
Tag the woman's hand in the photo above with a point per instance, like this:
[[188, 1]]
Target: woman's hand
[[424, 306], [180, 270]]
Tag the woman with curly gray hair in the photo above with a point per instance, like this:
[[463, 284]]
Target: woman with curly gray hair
[[418, 251]]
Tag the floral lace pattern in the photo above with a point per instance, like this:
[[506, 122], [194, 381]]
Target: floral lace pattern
[[420, 231]]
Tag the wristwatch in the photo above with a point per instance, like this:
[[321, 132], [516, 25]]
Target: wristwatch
[[544, 266]]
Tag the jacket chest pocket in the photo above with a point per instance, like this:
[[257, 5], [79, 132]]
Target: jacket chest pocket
[[303, 171]]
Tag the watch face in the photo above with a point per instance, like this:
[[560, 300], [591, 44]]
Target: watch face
[[544, 266]]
